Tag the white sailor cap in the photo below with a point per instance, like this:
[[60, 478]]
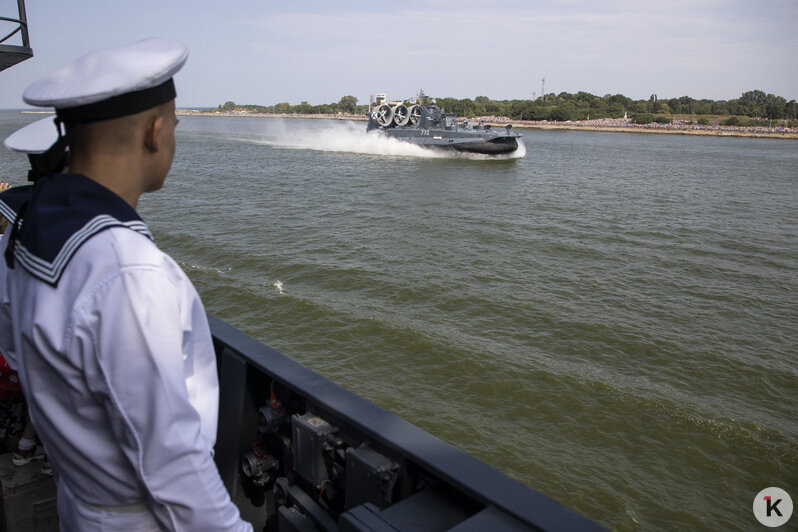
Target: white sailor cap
[[111, 83], [34, 138], [103, 85]]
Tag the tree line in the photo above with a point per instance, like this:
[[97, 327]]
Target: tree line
[[346, 105], [751, 107]]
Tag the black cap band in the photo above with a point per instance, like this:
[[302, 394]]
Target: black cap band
[[125, 104], [54, 159]]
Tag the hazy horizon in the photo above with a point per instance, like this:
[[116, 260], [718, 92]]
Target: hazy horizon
[[318, 52]]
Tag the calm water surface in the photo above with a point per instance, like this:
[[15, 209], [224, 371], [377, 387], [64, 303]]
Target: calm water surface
[[611, 318]]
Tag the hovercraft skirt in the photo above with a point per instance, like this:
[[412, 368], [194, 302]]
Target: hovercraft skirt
[[499, 146]]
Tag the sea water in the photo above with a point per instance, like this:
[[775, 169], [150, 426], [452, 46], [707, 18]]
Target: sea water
[[609, 318]]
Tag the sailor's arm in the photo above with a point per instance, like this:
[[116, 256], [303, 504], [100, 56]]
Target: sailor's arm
[[139, 342]]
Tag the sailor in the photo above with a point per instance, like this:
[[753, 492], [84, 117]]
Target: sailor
[[114, 351], [33, 140], [27, 448]]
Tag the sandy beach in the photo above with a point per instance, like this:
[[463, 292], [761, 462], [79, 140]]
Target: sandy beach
[[614, 125]]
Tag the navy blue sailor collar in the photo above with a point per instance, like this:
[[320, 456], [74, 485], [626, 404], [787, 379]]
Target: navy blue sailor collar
[[66, 210], [12, 199]]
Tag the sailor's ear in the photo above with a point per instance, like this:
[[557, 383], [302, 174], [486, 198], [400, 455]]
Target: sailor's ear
[[152, 132]]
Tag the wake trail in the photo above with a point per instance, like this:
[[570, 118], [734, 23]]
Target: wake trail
[[351, 137]]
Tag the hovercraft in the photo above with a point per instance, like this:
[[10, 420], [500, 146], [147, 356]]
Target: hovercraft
[[422, 122]]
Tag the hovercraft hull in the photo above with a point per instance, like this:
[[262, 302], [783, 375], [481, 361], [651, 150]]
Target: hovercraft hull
[[469, 142], [498, 146]]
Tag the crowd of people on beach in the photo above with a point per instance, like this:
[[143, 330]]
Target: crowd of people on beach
[[674, 125]]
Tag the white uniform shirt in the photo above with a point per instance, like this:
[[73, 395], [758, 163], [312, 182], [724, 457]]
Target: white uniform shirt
[[10, 201], [118, 367]]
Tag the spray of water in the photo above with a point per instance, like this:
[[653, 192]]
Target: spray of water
[[278, 285], [351, 137]]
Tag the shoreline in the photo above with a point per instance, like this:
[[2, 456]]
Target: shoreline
[[603, 125], [706, 131], [622, 125]]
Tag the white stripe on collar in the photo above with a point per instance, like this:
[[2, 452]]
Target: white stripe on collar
[[51, 272]]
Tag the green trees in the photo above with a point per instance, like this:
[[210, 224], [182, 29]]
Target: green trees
[[348, 104], [751, 105]]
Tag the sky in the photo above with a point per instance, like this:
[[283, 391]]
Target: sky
[[266, 52]]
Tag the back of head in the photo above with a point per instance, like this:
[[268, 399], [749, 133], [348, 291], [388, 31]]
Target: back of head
[[114, 135]]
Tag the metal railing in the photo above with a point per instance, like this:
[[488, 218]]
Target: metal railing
[[11, 54]]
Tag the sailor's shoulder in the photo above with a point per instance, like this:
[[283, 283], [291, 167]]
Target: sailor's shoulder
[[119, 246]]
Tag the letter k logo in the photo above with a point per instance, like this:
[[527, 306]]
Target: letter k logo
[[772, 506]]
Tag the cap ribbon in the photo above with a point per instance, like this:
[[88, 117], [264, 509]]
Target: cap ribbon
[[13, 234]]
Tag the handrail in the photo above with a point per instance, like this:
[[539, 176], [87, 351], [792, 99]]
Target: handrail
[[4, 39], [11, 54], [23, 25]]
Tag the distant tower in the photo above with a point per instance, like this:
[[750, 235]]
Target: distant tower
[[543, 88]]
